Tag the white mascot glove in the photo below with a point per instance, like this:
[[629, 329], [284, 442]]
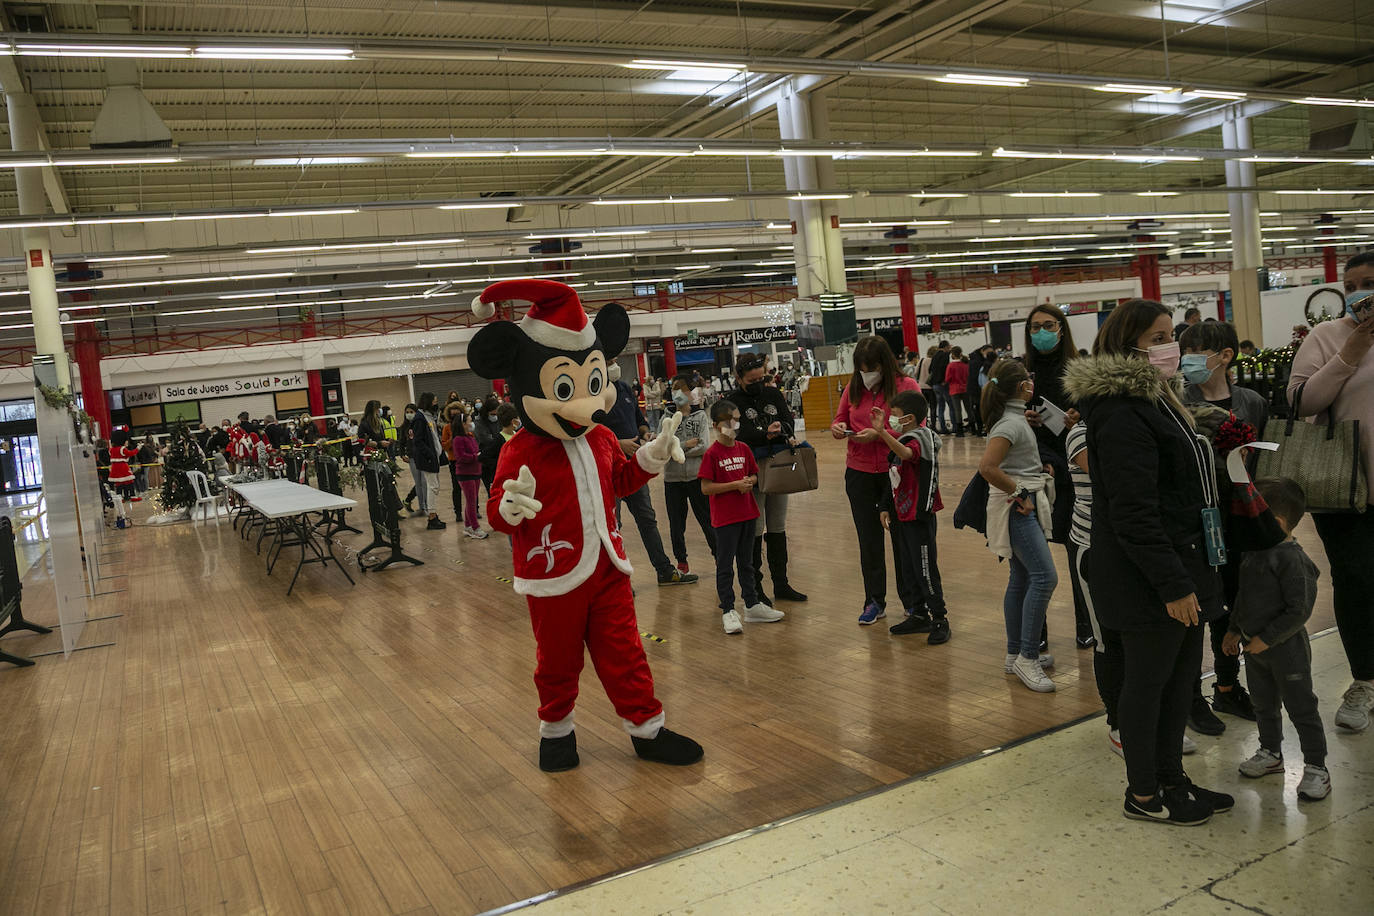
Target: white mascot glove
[[517, 498], [654, 457]]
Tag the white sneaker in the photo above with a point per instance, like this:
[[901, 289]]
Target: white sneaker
[[1032, 675], [1354, 710], [731, 621], [1046, 661], [1189, 745], [762, 613], [477, 534], [1315, 784], [1263, 762]]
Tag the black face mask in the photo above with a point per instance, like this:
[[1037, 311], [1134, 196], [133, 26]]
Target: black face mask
[[754, 389]]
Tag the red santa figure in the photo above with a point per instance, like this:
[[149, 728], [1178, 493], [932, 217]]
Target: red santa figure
[[554, 493], [121, 478]]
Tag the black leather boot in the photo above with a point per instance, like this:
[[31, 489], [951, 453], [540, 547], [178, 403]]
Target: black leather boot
[[758, 571], [777, 565]]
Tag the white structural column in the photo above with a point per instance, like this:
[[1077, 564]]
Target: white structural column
[[794, 122], [37, 242], [1247, 253], [835, 282]]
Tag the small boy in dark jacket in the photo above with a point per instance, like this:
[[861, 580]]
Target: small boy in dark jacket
[[1278, 587], [909, 512]]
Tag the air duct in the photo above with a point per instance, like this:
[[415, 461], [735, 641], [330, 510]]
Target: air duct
[[127, 119]]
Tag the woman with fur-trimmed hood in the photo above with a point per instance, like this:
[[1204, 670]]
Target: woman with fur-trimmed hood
[[1149, 569]]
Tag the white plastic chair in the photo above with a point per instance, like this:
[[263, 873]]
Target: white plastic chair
[[204, 498]]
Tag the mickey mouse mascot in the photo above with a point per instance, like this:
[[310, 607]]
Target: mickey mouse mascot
[[569, 557]]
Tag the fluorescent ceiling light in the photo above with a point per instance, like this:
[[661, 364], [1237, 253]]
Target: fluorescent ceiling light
[[710, 250], [975, 79], [1324, 191], [1003, 153], [1342, 103], [805, 196], [344, 246], [339, 211], [111, 259], [272, 53], [752, 273], [1138, 88], [1156, 193], [279, 292], [1036, 238], [505, 206], [586, 233], [634, 281], [1054, 194], [1311, 159], [663, 200], [104, 160], [883, 224], [937, 195], [901, 153], [773, 262], [641, 63], [63, 50], [1217, 94]]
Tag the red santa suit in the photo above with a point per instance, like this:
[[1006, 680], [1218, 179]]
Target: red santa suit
[[121, 475], [570, 565], [243, 445]]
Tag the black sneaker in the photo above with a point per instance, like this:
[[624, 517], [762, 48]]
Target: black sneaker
[[436, 524], [939, 631], [1168, 807], [1219, 802], [916, 623], [1203, 720], [677, 578], [1086, 642], [1233, 702]]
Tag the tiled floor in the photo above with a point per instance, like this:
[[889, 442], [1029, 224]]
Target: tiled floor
[[1037, 828]]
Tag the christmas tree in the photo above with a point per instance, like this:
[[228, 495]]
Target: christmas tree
[[183, 454]]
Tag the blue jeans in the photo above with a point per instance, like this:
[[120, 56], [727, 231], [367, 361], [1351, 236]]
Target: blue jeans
[[1030, 585], [944, 407], [643, 511]]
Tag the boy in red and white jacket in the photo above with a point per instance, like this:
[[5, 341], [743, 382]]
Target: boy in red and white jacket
[[909, 513]]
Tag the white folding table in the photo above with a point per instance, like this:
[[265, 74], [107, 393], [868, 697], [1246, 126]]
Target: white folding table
[[290, 505]]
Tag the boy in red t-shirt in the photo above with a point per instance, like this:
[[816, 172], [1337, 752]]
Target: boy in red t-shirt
[[728, 473]]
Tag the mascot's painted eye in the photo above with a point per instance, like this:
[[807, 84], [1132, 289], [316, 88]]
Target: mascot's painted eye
[[595, 383], [564, 388]]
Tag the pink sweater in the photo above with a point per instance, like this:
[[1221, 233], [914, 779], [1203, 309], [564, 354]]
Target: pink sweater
[[1348, 392], [869, 457]]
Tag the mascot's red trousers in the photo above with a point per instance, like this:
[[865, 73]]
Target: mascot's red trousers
[[600, 613]]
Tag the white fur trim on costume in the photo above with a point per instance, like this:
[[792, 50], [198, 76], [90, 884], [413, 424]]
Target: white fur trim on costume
[[647, 729], [557, 729], [482, 310], [551, 335]]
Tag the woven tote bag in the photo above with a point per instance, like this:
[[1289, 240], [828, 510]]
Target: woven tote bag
[[1323, 459]]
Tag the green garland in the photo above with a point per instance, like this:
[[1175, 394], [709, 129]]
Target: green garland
[[62, 399]]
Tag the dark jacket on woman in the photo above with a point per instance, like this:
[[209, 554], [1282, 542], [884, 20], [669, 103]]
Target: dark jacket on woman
[[489, 441], [1146, 462], [424, 443], [757, 413]]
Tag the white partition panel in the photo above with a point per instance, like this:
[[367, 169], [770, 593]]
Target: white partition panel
[[59, 492], [88, 507]]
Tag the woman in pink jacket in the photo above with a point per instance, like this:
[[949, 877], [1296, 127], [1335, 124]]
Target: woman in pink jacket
[[876, 380]]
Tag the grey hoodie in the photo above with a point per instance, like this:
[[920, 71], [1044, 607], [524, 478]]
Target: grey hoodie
[[696, 425]]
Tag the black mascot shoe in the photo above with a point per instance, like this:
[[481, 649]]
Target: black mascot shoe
[[558, 754], [668, 747]]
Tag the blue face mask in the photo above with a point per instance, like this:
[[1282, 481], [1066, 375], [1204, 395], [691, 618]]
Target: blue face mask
[[1194, 368], [1044, 341], [1352, 299]]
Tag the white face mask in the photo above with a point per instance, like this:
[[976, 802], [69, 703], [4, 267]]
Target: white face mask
[[871, 379], [729, 429], [613, 372], [895, 424]]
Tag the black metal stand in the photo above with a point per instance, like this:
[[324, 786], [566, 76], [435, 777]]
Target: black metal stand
[[327, 480], [383, 507], [11, 588]]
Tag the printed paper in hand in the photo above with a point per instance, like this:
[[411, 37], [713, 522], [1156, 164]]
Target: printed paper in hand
[[1235, 462], [1052, 417]]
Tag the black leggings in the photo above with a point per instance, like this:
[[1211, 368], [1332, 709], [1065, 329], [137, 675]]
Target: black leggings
[[1349, 543], [1109, 656], [1156, 693], [866, 492]]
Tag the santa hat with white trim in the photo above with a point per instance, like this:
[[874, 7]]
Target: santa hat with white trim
[[556, 318]]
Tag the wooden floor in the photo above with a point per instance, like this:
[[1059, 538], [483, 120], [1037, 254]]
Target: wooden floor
[[372, 749]]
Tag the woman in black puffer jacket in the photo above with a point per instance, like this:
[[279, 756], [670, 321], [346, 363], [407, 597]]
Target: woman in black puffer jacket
[[1148, 570], [767, 427]]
